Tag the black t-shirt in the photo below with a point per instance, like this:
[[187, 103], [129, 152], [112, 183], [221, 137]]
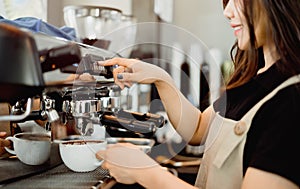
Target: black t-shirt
[[273, 141]]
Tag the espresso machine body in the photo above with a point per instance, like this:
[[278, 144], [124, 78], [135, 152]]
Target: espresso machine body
[[21, 75]]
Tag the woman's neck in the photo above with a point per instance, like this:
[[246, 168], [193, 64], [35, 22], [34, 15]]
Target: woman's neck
[[270, 56]]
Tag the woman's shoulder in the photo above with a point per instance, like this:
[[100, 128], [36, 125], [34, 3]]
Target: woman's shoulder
[[281, 112], [285, 101]]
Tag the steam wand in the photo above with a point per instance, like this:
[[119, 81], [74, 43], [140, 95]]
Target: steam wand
[[21, 116]]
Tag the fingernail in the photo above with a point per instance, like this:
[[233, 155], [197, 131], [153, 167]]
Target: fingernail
[[120, 76]]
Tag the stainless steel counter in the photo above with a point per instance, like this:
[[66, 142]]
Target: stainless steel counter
[[53, 174]]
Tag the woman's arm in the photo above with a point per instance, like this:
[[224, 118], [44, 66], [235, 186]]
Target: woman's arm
[[258, 179], [160, 178]]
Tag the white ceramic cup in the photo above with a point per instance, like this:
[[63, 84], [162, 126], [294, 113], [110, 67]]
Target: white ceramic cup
[[80, 155], [31, 148]]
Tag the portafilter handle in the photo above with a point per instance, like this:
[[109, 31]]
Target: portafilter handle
[[146, 123], [88, 64]]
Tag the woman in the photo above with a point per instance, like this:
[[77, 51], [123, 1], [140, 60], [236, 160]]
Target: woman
[[256, 141]]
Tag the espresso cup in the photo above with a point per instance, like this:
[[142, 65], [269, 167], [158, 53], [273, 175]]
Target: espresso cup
[[31, 148], [80, 155]]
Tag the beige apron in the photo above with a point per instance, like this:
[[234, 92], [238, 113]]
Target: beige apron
[[222, 163]]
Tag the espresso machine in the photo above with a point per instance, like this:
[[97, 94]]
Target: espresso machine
[[74, 107]]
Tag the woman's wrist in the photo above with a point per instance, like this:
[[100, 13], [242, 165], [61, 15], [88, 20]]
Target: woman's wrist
[[150, 177], [164, 79]]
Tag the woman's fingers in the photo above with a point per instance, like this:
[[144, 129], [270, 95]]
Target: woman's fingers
[[125, 77], [116, 72], [131, 71], [122, 77], [118, 61], [2, 134], [5, 143]]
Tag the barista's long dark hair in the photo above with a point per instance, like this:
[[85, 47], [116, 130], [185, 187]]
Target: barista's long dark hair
[[283, 28]]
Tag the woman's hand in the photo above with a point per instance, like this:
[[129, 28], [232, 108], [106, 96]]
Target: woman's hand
[[131, 71], [3, 143], [127, 163]]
